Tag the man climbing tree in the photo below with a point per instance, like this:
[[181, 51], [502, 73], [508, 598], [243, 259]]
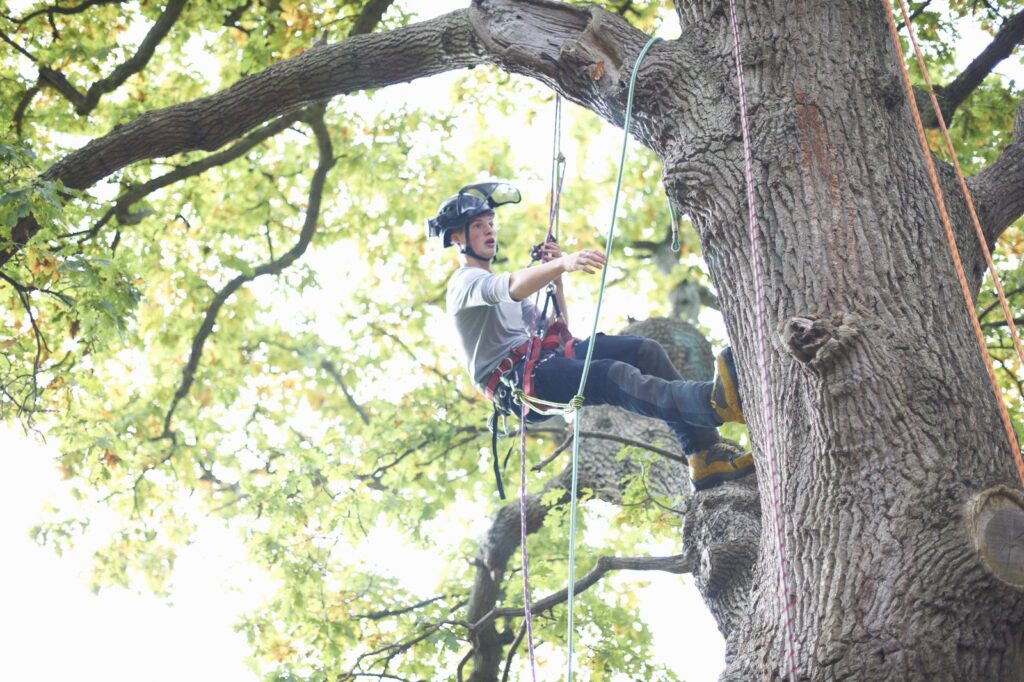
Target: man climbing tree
[[494, 317], [164, 226]]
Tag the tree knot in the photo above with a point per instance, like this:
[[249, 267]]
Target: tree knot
[[995, 522], [818, 341]]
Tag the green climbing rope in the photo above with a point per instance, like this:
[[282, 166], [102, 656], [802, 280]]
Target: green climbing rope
[[577, 401]]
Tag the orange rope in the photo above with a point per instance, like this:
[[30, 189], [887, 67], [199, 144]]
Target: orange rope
[[965, 288], [963, 184]]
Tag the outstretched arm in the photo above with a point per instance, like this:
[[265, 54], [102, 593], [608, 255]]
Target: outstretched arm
[[529, 281]]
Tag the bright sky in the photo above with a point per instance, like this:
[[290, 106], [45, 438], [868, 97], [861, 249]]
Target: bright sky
[[54, 628]]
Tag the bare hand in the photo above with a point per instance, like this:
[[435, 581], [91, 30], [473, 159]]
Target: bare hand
[[550, 251], [587, 260]]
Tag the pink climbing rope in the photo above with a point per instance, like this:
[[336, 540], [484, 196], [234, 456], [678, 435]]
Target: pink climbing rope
[[527, 615], [769, 452]]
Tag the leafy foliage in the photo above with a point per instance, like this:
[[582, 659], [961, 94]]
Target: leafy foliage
[[324, 417]]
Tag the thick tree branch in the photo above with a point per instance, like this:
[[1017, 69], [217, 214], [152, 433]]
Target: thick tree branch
[[997, 189], [237, 150], [492, 557], [502, 540], [670, 564], [951, 96], [322, 72], [274, 267], [371, 15], [584, 53]]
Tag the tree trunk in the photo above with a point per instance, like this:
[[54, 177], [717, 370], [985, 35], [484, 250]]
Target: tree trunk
[[887, 431]]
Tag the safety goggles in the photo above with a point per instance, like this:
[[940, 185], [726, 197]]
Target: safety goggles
[[494, 193]]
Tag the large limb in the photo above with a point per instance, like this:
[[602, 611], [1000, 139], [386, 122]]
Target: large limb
[[585, 53], [997, 189], [360, 62], [122, 206], [951, 96]]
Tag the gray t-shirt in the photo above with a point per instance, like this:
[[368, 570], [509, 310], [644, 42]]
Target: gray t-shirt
[[489, 323]]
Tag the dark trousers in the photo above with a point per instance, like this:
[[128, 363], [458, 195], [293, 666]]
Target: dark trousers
[[634, 373]]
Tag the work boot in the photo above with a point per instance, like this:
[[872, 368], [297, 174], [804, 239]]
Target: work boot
[[718, 463], [725, 393]]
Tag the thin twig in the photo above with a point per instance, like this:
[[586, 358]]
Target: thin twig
[[16, 46], [992, 306], [377, 615], [57, 9], [329, 367], [916, 13], [512, 650]]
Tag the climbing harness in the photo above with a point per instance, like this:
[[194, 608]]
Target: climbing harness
[[933, 176], [500, 388], [769, 452]]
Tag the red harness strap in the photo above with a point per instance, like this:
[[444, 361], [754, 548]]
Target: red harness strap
[[557, 335]]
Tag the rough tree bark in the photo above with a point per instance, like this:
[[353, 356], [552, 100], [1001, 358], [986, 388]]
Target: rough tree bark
[[902, 512], [887, 434]]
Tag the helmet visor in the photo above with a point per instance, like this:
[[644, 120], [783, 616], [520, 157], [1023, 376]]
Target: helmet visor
[[494, 193]]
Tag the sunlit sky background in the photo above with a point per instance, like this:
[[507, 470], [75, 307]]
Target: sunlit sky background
[[53, 628]]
